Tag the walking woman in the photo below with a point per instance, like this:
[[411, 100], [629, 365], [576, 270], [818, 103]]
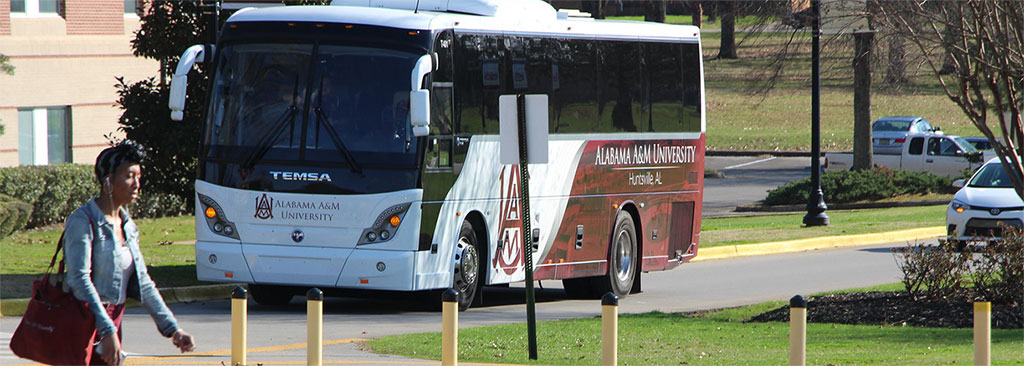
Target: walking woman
[[105, 266]]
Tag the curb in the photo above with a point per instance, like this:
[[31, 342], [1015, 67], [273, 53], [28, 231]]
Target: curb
[[826, 242], [171, 295], [841, 206]]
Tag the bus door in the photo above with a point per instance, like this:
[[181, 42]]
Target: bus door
[[439, 171]]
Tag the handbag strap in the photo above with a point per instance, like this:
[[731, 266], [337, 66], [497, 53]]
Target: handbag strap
[[60, 245]]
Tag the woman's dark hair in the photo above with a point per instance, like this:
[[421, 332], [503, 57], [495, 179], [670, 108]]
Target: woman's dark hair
[[111, 158]]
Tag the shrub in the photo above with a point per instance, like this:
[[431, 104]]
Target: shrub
[[933, 272], [55, 191], [14, 215], [995, 272], [861, 185], [998, 270]]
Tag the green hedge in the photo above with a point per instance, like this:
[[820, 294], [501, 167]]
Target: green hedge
[[14, 215], [861, 185], [55, 191]]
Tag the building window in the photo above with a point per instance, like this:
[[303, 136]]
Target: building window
[[34, 7], [44, 136], [131, 7]]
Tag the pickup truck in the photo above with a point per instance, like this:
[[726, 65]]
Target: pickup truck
[[943, 155]]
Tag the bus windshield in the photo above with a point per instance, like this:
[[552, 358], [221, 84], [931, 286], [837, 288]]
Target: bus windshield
[[279, 107]]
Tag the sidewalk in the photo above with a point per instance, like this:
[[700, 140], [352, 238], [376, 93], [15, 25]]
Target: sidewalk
[[16, 307]]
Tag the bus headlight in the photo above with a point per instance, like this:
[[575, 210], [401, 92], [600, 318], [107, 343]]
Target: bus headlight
[[215, 218], [385, 226]]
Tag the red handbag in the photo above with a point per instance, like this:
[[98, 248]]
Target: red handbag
[[57, 328]]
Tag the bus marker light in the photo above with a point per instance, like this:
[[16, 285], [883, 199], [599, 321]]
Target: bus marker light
[[348, 26], [229, 275], [291, 24], [210, 212], [364, 281], [615, 206], [457, 214], [413, 33], [394, 221], [319, 25]]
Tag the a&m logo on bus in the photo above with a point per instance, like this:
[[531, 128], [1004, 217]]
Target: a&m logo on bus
[[264, 207], [510, 255]]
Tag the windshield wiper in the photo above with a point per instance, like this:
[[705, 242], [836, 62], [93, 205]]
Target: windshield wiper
[[322, 118], [267, 141]]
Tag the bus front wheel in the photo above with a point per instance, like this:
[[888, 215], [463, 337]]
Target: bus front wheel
[[467, 266], [622, 258]]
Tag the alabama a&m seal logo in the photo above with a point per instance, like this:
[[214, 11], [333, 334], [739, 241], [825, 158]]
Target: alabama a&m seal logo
[[264, 207], [510, 255]]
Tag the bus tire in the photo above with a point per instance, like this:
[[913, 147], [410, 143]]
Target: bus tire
[[622, 258], [271, 295], [467, 276]]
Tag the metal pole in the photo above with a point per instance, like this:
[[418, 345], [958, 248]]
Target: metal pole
[[815, 199], [524, 199], [797, 331], [609, 329], [450, 327], [239, 297], [314, 327]]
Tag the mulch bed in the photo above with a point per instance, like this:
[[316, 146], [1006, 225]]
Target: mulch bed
[[897, 308]]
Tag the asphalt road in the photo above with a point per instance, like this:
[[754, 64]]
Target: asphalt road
[[748, 179], [692, 286]]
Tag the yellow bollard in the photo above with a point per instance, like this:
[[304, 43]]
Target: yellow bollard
[[983, 333], [239, 296], [797, 331], [315, 327], [609, 329], [450, 327]]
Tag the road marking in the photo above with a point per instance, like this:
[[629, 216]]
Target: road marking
[[750, 163]]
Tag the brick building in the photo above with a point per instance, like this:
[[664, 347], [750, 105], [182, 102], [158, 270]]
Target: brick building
[[60, 102]]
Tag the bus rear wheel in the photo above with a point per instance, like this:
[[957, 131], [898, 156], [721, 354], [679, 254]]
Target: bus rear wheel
[[467, 276], [622, 258], [271, 295]]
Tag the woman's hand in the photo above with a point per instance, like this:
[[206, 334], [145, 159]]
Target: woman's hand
[[111, 347], [183, 341]]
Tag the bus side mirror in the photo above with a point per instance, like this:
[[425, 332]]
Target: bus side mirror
[[419, 111], [179, 83]]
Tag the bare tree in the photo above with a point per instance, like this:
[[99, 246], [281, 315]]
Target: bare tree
[[975, 48]]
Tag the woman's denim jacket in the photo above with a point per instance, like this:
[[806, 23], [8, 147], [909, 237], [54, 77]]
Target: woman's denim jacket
[[93, 276]]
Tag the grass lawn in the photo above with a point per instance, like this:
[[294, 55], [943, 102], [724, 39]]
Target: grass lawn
[[765, 228], [25, 255], [711, 338]]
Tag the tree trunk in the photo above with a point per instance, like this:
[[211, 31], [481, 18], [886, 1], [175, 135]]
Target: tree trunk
[[698, 14], [654, 11], [595, 8], [896, 73], [728, 48], [862, 154]]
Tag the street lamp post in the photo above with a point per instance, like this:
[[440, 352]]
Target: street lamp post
[[815, 199]]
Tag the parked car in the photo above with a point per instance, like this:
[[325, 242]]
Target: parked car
[[889, 133], [983, 206], [980, 143], [943, 155]]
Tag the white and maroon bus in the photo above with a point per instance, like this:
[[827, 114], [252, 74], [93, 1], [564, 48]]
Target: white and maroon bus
[[355, 146]]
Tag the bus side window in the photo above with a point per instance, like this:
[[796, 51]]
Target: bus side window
[[438, 154]]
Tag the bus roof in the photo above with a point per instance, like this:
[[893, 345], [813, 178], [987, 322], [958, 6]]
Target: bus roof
[[526, 17]]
